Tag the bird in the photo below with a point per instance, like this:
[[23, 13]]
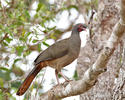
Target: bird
[[57, 56]]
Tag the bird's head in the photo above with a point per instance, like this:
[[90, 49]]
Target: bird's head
[[80, 27]]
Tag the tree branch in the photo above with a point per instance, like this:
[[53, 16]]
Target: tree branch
[[5, 36], [6, 8], [78, 87]]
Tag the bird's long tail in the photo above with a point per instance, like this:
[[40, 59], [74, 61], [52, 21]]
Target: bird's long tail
[[25, 85]]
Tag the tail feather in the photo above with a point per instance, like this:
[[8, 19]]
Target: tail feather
[[25, 85]]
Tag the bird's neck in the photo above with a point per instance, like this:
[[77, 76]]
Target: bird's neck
[[75, 39], [75, 36], [74, 44]]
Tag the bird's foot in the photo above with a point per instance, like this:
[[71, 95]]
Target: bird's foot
[[68, 80]]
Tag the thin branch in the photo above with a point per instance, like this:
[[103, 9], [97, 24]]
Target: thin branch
[[90, 28], [91, 17], [6, 8], [40, 82], [5, 36]]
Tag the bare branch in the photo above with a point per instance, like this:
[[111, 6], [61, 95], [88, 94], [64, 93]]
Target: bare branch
[[6, 8], [5, 36]]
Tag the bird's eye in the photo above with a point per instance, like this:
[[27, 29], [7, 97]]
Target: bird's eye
[[80, 26]]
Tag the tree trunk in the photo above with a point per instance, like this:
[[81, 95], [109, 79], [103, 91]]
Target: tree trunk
[[109, 84]]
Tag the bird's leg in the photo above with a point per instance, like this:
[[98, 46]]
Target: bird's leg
[[57, 78], [66, 79]]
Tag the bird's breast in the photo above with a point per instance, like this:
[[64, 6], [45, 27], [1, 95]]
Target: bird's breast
[[61, 62]]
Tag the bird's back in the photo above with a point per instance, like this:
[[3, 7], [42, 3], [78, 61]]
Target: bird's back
[[55, 51]]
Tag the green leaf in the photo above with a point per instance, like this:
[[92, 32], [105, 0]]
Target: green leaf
[[72, 6], [39, 47], [27, 14], [52, 28], [20, 50], [1, 26], [1, 95], [15, 84], [1, 82], [34, 41], [4, 43], [30, 39], [5, 75], [8, 40], [23, 32], [39, 6], [22, 39], [3, 68], [26, 53], [7, 30], [46, 44], [19, 23], [75, 75], [36, 16], [16, 60], [27, 34]]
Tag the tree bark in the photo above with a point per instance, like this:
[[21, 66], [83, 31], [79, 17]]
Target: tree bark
[[110, 81]]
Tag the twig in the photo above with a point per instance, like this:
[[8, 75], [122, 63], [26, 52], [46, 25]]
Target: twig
[[6, 8], [4, 38], [90, 28]]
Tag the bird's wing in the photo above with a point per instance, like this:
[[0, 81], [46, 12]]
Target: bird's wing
[[55, 51]]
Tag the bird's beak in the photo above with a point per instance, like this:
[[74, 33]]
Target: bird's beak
[[84, 29]]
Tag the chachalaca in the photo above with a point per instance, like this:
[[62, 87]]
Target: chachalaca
[[57, 56]]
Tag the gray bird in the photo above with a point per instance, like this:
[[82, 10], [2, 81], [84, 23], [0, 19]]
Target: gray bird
[[57, 56]]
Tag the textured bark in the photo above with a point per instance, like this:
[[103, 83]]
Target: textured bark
[[107, 16], [90, 76]]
